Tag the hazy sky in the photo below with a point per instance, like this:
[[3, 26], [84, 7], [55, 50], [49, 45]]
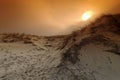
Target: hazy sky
[[49, 17]]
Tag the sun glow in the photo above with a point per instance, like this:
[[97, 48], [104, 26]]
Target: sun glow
[[87, 15]]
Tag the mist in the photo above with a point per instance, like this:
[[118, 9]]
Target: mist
[[50, 17]]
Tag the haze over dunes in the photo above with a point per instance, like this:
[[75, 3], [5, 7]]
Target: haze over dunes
[[49, 17]]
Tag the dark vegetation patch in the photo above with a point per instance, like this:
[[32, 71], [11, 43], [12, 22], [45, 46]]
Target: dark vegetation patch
[[72, 54], [115, 50]]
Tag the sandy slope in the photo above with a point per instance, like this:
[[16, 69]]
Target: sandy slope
[[92, 53]]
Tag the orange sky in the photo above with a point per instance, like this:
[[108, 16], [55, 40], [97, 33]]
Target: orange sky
[[49, 17]]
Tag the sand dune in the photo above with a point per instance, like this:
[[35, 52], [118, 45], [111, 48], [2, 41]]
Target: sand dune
[[92, 53]]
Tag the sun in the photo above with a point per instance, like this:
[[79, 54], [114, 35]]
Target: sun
[[87, 15]]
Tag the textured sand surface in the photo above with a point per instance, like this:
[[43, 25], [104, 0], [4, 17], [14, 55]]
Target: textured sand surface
[[89, 54]]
